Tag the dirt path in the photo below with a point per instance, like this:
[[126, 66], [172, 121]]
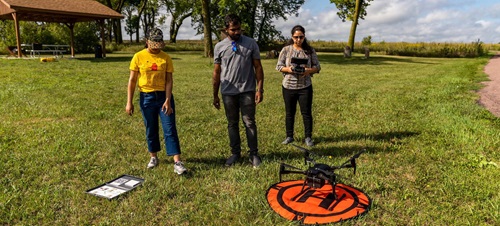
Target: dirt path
[[490, 94]]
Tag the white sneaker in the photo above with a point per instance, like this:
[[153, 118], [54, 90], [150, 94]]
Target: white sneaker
[[179, 168], [152, 162]]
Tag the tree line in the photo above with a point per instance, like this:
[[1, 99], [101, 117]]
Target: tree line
[[206, 18]]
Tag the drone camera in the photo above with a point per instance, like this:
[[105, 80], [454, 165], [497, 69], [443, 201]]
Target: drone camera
[[315, 182]]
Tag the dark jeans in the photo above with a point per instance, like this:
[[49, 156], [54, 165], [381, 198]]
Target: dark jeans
[[304, 97], [233, 104], [151, 104]]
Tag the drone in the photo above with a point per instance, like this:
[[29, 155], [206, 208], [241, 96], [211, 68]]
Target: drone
[[318, 174]]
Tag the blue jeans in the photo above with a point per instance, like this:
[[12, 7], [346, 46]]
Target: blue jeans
[[151, 104], [233, 104]]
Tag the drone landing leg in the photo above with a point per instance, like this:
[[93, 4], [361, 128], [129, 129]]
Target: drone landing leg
[[302, 191], [333, 191], [336, 203]]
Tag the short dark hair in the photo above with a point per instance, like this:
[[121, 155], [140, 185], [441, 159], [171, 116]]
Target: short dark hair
[[232, 19]]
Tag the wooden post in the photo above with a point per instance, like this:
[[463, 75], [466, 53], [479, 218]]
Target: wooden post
[[103, 39], [367, 52], [71, 27], [18, 36]]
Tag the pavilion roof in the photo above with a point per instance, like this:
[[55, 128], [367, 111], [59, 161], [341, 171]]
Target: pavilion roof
[[58, 11]]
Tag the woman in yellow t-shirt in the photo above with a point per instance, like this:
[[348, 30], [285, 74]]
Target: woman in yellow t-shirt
[[151, 71]]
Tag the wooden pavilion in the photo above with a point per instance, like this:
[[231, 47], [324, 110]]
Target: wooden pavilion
[[67, 12]]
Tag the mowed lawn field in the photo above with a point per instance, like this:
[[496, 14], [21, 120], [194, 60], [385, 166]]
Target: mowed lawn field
[[432, 152]]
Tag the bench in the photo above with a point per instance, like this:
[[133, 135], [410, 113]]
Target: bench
[[56, 50], [13, 51]]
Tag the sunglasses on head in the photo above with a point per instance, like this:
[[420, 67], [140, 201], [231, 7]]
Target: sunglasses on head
[[235, 48]]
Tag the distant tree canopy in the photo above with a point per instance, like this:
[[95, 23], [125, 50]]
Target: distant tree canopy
[[86, 34], [179, 11], [347, 9], [257, 17], [141, 15]]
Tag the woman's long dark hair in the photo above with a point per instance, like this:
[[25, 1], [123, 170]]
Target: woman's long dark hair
[[305, 45]]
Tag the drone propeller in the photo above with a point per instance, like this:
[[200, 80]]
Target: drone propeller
[[283, 165], [351, 163], [307, 153], [284, 170]]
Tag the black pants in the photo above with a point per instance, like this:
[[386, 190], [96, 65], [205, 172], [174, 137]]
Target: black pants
[[304, 97], [233, 105]]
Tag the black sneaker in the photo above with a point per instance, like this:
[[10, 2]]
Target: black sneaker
[[231, 160], [255, 160]]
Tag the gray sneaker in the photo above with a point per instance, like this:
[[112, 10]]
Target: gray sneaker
[[179, 168], [309, 142], [152, 162], [287, 140]]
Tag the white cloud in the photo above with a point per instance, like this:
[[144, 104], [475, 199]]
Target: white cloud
[[397, 20], [415, 21], [390, 11], [484, 24], [439, 16]]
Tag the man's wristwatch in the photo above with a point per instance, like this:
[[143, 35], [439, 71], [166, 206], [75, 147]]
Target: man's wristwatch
[[260, 90]]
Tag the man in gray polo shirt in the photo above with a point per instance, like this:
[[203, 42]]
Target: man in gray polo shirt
[[239, 75]]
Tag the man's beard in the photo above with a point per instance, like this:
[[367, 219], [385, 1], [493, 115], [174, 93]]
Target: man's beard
[[235, 37]]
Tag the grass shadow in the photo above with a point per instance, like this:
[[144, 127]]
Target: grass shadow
[[341, 152], [112, 59], [109, 59], [374, 60], [211, 161], [385, 136]]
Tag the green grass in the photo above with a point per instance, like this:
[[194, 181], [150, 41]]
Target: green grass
[[431, 149]]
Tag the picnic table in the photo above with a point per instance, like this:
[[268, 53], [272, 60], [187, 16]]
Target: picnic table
[[13, 51], [36, 49]]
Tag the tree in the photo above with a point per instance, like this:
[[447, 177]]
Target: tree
[[179, 10], [140, 6], [352, 10], [8, 34], [130, 23], [150, 14], [271, 10], [256, 15], [115, 24], [207, 28]]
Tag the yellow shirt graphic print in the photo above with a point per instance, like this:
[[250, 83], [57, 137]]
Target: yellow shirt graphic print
[[152, 70]]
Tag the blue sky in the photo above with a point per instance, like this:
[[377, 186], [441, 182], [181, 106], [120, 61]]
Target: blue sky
[[396, 21]]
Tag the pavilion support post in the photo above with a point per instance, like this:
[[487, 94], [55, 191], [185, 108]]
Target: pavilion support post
[[71, 27], [103, 38], [18, 36]]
